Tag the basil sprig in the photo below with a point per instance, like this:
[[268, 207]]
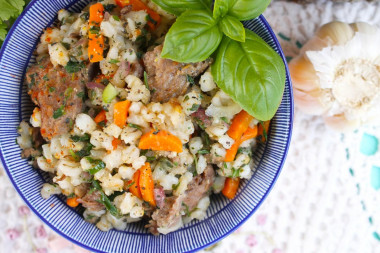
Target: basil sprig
[[246, 68]]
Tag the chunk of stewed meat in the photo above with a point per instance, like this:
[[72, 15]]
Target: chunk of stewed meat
[[58, 94], [169, 79]]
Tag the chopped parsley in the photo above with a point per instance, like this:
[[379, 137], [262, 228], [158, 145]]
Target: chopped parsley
[[175, 186], [264, 131], [73, 67], [235, 172], [146, 80], [59, 112], [76, 138], [105, 200], [151, 158], [51, 89], [109, 7], [134, 126], [114, 61], [85, 151], [116, 17], [99, 165], [194, 107], [81, 95], [94, 29], [45, 78], [203, 151], [66, 45], [186, 98], [129, 185], [190, 79], [150, 19], [68, 92], [225, 120]]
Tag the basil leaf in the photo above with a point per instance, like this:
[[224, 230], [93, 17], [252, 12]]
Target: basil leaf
[[221, 8], [252, 73], [192, 38], [248, 9], [233, 28], [177, 7]]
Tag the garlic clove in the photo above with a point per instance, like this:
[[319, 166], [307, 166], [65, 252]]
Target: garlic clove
[[340, 123], [364, 28], [338, 32], [303, 74], [308, 103]]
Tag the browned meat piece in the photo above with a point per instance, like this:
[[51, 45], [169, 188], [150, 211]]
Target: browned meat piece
[[81, 189], [152, 227], [169, 79], [201, 118], [37, 139], [199, 187], [90, 201], [124, 11], [159, 196], [29, 153], [169, 215], [56, 93]]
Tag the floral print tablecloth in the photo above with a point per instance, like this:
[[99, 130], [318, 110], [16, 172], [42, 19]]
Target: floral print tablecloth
[[326, 198]]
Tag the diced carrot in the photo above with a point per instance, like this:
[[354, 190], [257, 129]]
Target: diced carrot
[[133, 185], [160, 140], [146, 184], [120, 113], [231, 186], [95, 47], [101, 117], [96, 13], [261, 130], [137, 5], [95, 40], [115, 143], [239, 125], [248, 134], [72, 202]]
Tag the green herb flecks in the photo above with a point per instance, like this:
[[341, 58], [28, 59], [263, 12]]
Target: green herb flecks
[[134, 126], [194, 107], [59, 112], [190, 79], [74, 67], [114, 61], [146, 80], [76, 138], [105, 200], [99, 165]]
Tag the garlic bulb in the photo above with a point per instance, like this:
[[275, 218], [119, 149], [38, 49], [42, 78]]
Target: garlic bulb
[[337, 75]]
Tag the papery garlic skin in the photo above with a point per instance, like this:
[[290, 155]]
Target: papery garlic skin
[[337, 75]]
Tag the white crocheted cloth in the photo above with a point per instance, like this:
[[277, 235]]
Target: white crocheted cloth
[[317, 205]]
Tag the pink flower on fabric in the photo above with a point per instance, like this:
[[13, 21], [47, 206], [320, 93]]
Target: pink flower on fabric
[[12, 234], [41, 250], [276, 251], [58, 244], [23, 211], [251, 241], [40, 232], [261, 219], [78, 249]]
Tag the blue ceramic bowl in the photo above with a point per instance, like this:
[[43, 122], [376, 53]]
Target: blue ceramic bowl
[[223, 216]]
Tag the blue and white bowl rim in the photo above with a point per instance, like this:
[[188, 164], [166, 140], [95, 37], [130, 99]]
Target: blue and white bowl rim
[[276, 42]]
